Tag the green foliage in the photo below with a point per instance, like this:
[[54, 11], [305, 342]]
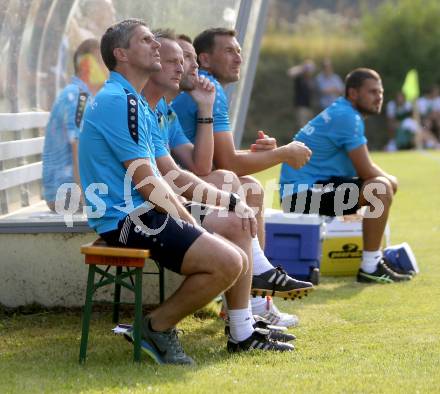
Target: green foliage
[[401, 35], [393, 38]]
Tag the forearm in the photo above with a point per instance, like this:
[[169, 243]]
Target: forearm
[[159, 193], [195, 189], [247, 162], [203, 152]]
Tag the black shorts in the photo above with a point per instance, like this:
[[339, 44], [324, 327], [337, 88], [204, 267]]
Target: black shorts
[[167, 239], [336, 196]]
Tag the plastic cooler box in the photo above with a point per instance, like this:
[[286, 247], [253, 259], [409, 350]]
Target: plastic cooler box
[[293, 242], [342, 246]]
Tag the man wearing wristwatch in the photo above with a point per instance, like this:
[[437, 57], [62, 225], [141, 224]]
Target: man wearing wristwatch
[[219, 59], [185, 153], [236, 224]]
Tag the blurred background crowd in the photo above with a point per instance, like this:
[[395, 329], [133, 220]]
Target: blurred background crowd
[[319, 41]]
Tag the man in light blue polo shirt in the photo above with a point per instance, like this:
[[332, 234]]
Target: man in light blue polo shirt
[[60, 152], [341, 177], [219, 56], [131, 205], [227, 224]]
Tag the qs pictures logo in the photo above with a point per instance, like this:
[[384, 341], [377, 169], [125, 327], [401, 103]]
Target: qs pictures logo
[[349, 251]]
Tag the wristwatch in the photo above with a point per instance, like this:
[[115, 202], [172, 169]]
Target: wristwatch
[[234, 199]]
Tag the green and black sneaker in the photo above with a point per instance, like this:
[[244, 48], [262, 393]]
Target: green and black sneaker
[[383, 274]]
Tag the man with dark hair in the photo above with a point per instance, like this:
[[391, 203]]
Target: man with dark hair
[[60, 152], [168, 137], [116, 152], [341, 177], [219, 57]]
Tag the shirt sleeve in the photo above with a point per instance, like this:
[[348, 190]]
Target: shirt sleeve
[[160, 146], [348, 131], [177, 136], [186, 110], [73, 110], [125, 133], [221, 110]]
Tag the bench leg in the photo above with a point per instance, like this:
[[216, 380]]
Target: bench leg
[[137, 315], [117, 297], [87, 314]]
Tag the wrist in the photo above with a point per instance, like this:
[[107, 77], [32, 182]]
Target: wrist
[[204, 111], [283, 152], [234, 200]]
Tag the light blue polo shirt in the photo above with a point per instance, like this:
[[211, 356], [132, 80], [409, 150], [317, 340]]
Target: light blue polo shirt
[[331, 135], [168, 131], [62, 130], [186, 110], [116, 129]]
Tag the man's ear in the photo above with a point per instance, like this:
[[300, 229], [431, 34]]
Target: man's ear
[[204, 60], [120, 55], [352, 93]]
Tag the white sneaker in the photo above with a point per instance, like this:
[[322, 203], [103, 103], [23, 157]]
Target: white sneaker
[[278, 318]]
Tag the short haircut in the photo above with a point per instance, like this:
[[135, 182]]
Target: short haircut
[[89, 46], [184, 37], [118, 36], [169, 34], [205, 41], [355, 79]]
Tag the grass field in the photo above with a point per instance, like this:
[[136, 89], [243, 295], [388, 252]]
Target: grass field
[[352, 338]]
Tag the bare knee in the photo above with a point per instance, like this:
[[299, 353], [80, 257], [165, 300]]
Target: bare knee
[[253, 191], [225, 180], [229, 267], [379, 188]]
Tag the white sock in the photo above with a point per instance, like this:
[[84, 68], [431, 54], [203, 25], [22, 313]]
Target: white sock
[[240, 324], [370, 261], [259, 305], [225, 306], [250, 311], [261, 263]]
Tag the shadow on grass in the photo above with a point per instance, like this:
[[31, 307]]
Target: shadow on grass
[[55, 338], [335, 288]]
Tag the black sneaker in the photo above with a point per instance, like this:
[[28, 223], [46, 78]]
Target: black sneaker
[[258, 340], [398, 270], [275, 333], [383, 274], [276, 282]]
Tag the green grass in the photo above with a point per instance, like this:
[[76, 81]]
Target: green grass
[[353, 338]]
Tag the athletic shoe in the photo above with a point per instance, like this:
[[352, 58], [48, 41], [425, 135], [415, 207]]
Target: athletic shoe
[[163, 347], [274, 316], [276, 282], [383, 274], [258, 340], [398, 270], [275, 333]]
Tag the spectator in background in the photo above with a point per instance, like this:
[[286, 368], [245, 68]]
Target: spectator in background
[[396, 111], [328, 84], [303, 90], [411, 134], [60, 152], [428, 107]]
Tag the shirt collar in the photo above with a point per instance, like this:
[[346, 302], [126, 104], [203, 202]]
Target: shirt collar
[[343, 100], [81, 84], [117, 77]]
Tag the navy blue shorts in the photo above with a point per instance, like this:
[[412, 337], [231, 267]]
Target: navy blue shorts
[[167, 239], [334, 198]]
